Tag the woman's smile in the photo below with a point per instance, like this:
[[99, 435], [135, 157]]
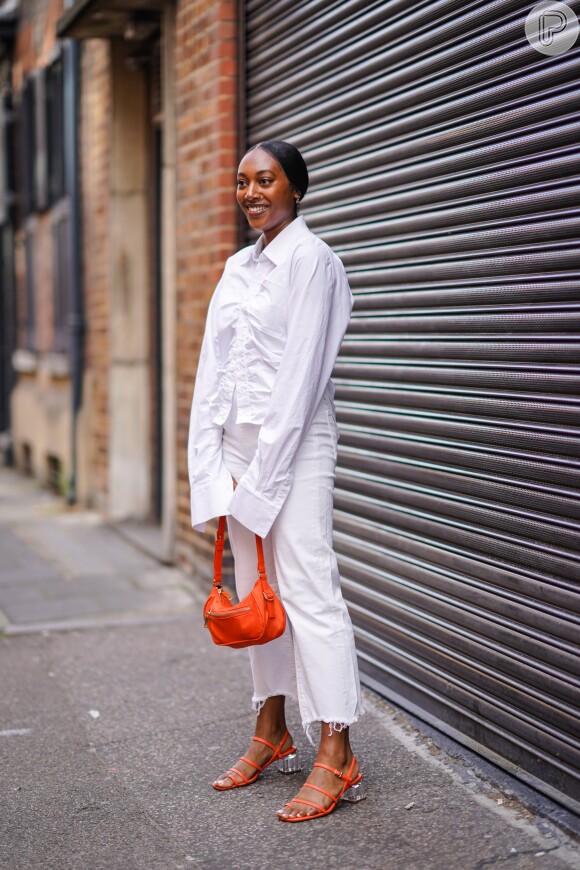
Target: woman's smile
[[256, 210], [260, 174]]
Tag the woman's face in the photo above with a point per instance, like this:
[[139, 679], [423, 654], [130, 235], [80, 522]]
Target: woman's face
[[264, 194]]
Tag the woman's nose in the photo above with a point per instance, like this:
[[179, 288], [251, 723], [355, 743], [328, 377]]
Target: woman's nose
[[252, 191]]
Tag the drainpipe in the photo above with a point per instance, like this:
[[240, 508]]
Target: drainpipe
[[76, 313]]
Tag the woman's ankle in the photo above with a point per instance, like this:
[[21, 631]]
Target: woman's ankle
[[334, 747], [271, 720]]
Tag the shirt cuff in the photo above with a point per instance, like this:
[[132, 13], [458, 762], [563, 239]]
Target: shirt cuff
[[254, 511], [210, 501]]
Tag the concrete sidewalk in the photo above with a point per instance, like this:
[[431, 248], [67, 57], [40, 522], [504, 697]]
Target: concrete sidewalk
[[116, 712], [63, 567]]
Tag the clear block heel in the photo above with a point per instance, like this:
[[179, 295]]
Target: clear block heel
[[355, 793], [290, 763]]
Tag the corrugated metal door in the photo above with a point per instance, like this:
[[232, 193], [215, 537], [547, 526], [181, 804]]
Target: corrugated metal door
[[444, 171]]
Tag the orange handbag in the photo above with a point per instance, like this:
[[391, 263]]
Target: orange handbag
[[257, 619]]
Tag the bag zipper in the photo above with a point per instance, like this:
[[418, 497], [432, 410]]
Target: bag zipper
[[227, 615]]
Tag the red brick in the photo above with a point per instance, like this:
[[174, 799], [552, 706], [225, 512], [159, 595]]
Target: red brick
[[95, 181], [207, 155]]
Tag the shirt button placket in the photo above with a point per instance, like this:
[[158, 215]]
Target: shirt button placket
[[242, 367]]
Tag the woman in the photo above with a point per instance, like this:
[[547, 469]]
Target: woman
[[262, 450]]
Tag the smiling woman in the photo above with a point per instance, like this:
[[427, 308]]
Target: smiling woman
[[263, 416], [271, 183]]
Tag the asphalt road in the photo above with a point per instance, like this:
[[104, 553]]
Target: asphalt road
[[115, 718]]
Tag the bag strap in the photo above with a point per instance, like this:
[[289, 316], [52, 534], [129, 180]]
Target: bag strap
[[219, 554], [261, 560]]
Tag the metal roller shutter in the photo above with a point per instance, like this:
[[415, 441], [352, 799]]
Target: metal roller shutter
[[444, 171]]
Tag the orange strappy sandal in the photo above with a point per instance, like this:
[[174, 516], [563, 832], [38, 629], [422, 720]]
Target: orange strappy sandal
[[287, 763], [352, 792]]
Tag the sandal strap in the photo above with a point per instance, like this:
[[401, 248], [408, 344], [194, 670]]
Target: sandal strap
[[328, 794], [275, 749], [252, 763], [339, 773], [241, 775], [258, 768], [307, 803], [333, 770], [265, 742], [353, 764]]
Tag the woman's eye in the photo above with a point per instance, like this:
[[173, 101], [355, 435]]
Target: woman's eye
[[265, 180], [240, 183]]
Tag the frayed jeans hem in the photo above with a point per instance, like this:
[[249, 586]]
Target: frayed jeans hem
[[258, 703], [334, 726]]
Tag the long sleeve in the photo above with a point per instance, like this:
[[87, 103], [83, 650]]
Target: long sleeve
[[320, 302], [210, 481]]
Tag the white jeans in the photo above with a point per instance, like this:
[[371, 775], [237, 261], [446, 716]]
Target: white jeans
[[314, 661]]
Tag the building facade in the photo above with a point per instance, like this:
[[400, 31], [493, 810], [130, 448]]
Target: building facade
[[38, 274], [443, 158]]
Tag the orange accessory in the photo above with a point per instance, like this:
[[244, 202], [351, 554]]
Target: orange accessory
[[352, 791], [239, 780], [257, 619]]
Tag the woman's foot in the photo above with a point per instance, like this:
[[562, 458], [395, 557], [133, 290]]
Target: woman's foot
[[271, 728], [261, 754], [334, 752], [323, 779]]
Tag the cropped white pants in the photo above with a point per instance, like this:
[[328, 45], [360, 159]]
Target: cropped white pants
[[314, 661]]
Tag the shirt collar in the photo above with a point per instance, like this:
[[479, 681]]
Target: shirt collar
[[282, 245]]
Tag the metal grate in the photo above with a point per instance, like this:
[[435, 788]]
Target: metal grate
[[444, 172]]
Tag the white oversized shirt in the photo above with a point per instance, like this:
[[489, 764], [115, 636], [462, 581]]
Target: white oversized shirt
[[274, 327]]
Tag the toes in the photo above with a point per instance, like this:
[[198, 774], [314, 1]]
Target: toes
[[224, 782]]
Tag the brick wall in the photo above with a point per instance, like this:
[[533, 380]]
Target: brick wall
[[35, 37], [33, 47], [95, 156], [207, 157], [40, 400]]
